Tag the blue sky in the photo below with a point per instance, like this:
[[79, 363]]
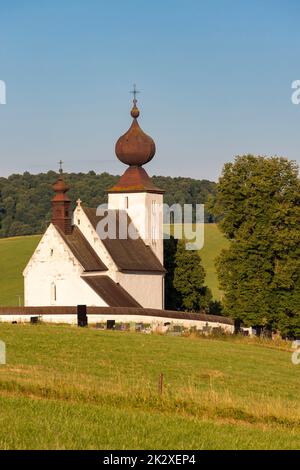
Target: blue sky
[[215, 80]]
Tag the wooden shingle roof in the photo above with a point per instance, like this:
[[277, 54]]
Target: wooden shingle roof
[[82, 250], [135, 179], [111, 292], [128, 254]]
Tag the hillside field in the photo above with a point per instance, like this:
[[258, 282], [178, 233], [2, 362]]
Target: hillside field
[[65, 387], [15, 252]]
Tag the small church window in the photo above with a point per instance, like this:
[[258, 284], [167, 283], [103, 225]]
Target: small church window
[[78, 221], [51, 252], [53, 292], [153, 207], [126, 202]]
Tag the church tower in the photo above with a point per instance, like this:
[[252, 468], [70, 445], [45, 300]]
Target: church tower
[[61, 205], [135, 192]]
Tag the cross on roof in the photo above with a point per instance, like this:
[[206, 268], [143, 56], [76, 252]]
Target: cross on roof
[[60, 166], [78, 202], [134, 92]]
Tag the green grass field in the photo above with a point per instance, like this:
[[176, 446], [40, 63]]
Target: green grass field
[[15, 253], [214, 243], [69, 388]]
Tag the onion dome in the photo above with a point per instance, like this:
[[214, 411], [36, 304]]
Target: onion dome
[[61, 215], [135, 148], [60, 188]]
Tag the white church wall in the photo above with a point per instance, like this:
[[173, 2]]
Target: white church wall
[[147, 289], [146, 212], [52, 276]]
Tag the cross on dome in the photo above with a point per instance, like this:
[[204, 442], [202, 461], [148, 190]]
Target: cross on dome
[[134, 92], [60, 166]]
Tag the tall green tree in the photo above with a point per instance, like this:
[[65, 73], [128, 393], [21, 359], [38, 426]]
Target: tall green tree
[[189, 277], [258, 202]]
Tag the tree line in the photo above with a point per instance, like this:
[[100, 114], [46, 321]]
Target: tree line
[[25, 199]]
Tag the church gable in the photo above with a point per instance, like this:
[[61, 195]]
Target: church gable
[[51, 251], [82, 250], [56, 247], [60, 272]]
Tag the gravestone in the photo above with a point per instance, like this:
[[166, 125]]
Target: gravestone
[[82, 319], [110, 324]]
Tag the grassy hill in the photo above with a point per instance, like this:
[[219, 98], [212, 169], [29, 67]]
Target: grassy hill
[[68, 388], [64, 387], [15, 253]]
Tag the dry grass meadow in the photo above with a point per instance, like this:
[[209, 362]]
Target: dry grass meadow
[[69, 388]]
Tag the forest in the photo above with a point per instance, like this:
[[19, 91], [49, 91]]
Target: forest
[[25, 199]]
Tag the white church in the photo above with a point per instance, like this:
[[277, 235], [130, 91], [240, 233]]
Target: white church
[[74, 264]]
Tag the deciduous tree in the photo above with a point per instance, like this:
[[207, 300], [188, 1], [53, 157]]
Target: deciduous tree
[[189, 277], [258, 201]]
